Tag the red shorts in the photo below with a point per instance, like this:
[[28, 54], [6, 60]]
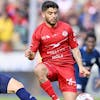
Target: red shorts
[[64, 75]]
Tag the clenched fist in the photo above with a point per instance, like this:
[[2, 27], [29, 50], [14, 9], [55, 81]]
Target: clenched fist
[[29, 54], [84, 72]]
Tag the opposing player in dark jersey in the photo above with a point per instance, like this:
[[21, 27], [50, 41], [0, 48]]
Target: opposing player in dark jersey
[[54, 40], [90, 56], [10, 85]]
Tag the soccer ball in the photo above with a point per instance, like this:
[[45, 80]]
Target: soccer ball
[[84, 96]]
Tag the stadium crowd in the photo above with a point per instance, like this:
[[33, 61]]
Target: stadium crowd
[[83, 15], [13, 24]]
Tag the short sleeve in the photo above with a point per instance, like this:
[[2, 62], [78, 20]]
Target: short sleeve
[[72, 39], [35, 41]]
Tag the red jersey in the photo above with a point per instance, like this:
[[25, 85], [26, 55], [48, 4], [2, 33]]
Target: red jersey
[[54, 44]]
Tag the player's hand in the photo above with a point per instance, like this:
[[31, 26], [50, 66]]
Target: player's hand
[[29, 54], [84, 72]]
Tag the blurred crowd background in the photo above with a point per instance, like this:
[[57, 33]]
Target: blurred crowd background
[[18, 17], [82, 15], [13, 24]]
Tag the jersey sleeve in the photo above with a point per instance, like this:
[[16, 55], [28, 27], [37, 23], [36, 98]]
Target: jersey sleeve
[[35, 41], [72, 39]]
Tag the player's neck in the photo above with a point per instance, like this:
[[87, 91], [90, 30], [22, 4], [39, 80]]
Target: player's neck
[[88, 50]]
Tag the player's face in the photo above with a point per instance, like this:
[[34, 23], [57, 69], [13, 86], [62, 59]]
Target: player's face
[[51, 16], [90, 43]]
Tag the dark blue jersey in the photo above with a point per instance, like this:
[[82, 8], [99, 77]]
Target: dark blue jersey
[[88, 59], [91, 58]]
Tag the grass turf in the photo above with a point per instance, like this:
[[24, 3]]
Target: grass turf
[[38, 98]]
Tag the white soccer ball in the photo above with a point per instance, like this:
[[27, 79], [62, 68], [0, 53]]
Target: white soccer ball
[[84, 96]]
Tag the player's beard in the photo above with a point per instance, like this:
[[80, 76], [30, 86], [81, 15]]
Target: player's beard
[[50, 23]]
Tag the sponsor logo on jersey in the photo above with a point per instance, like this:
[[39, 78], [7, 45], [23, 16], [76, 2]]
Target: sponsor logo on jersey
[[56, 51], [57, 44], [57, 56], [93, 60], [45, 37], [54, 35], [64, 33]]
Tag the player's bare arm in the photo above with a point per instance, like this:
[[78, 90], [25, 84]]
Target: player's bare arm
[[29, 54], [78, 58]]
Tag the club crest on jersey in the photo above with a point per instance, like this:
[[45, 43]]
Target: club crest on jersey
[[84, 63], [93, 60], [64, 33]]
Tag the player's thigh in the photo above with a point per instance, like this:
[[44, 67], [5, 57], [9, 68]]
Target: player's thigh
[[14, 86], [66, 79], [69, 95], [47, 69], [40, 69], [52, 74], [4, 80], [67, 82]]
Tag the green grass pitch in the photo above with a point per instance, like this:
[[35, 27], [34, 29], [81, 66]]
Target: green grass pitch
[[38, 98], [15, 98]]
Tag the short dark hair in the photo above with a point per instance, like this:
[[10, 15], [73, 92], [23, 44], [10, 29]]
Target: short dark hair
[[92, 35], [48, 4]]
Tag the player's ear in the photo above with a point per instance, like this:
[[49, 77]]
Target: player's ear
[[43, 14]]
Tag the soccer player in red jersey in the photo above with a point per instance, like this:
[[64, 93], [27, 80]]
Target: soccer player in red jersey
[[56, 43]]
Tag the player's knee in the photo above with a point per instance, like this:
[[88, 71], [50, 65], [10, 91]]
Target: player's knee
[[36, 70], [19, 85], [40, 70], [14, 86]]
